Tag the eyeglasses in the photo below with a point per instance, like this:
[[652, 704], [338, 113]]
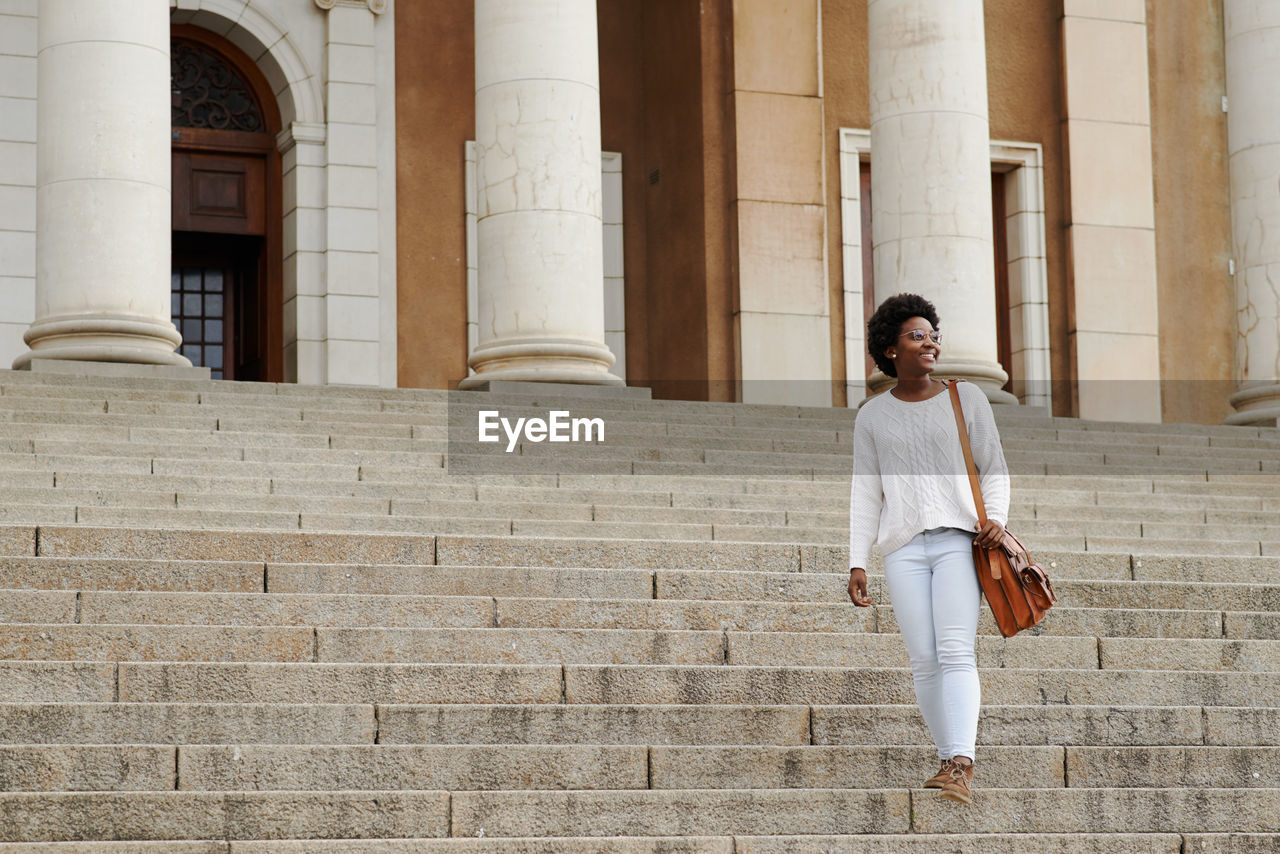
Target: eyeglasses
[[918, 335]]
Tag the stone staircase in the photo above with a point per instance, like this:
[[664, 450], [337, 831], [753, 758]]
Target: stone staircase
[[251, 618]]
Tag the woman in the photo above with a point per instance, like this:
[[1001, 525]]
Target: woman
[[911, 496]]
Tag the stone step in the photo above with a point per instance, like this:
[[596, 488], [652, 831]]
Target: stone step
[[193, 448], [274, 512], [810, 811], [131, 723], [10, 386], [576, 601], [1246, 570], [28, 642], [1071, 592], [502, 492], [128, 517], [847, 649], [369, 506], [407, 611], [257, 440], [1210, 767], [167, 846], [1169, 594], [43, 606], [44, 681], [167, 484], [1096, 581], [84, 541], [1063, 439], [899, 843], [77, 573], [1255, 655], [393, 767], [1120, 488], [87, 768], [109, 722], [1251, 625], [11, 496], [727, 684], [481, 767], [55, 816], [618, 767], [40, 681], [83, 462], [546, 551], [1092, 513], [754, 767], [284, 609], [1010, 843], [282, 723], [462, 580], [519, 646], [230, 520], [829, 725]]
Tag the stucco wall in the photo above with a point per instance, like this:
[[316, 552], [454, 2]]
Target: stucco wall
[[435, 115], [846, 104], [1193, 214]]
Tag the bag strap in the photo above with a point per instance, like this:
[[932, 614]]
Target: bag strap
[[954, 388]]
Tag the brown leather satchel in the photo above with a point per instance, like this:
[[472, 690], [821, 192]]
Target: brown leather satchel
[[1017, 589]]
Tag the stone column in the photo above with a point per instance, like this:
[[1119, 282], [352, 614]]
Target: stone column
[[102, 184], [538, 229], [1253, 146], [931, 175]]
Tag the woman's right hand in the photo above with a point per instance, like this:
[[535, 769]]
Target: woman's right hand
[[858, 587]]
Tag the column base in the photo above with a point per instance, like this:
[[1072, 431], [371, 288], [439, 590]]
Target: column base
[[94, 338], [549, 360], [1256, 405], [988, 376]]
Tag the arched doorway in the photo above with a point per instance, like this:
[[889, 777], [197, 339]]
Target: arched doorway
[[227, 281]]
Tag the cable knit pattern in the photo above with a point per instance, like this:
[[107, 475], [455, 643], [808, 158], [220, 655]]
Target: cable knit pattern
[[909, 475]]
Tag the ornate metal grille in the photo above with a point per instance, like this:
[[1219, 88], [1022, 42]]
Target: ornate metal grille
[[208, 93]]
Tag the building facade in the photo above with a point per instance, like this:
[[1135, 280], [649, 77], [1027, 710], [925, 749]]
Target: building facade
[[704, 197]]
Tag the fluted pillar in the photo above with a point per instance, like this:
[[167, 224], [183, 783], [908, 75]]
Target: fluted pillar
[[538, 227], [1253, 146], [103, 184], [931, 230]]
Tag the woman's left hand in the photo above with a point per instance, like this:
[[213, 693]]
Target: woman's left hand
[[990, 534]]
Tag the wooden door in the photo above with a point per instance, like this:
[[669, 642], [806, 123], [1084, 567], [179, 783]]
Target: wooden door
[[227, 250]]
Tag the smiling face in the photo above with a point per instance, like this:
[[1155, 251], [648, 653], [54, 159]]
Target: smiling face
[[914, 358]]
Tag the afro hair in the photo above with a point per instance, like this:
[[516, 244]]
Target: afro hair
[[886, 324]]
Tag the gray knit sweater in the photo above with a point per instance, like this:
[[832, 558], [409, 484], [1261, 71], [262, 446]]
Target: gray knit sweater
[[909, 474]]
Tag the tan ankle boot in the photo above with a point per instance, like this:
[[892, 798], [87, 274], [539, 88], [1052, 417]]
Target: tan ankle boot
[[959, 784], [938, 780]]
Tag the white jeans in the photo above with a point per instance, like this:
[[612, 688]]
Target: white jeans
[[935, 596]]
